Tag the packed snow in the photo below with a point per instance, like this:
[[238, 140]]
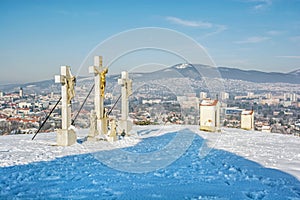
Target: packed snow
[[169, 162]]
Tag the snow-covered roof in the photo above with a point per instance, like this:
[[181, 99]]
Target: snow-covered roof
[[247, 112], [183, 66], [208, 102]]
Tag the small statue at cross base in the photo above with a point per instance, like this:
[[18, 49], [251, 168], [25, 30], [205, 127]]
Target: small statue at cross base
[[93, 124]]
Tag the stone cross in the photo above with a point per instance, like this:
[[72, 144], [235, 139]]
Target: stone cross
[[66, 135], [100, 82], [126, 91]]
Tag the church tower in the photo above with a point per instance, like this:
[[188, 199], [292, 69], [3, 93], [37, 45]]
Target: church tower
[[21, 92]]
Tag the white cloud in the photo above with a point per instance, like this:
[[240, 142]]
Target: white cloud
[[219, 29], [260, 4], [259, 7], [274, 32], [213, 28], [252, 40], [189, 23]]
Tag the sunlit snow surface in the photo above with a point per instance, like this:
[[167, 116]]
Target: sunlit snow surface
[[233, 164]]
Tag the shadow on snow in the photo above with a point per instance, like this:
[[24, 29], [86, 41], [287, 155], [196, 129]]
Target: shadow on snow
[[218, 175]]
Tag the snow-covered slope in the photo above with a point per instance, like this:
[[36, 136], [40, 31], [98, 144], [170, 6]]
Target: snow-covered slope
[[179, 162]]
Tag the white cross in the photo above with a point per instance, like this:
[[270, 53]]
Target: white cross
[[126, 91], [100, 82], [67, 81], [66, 135]]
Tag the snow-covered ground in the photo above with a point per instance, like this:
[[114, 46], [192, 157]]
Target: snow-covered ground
[[170, 162]]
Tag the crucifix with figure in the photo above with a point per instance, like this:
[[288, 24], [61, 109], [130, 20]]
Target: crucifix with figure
[[66, 135], [100, 83]]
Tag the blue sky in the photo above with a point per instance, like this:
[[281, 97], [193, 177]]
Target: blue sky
[[37, 37]]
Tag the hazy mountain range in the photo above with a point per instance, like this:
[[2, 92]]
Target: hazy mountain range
[[195, 71], [260, 77]]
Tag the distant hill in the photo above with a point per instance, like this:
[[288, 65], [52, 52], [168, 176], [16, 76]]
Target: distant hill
[[196, 71], [296, 72], [33, 85], [193, 71], [260, 77]]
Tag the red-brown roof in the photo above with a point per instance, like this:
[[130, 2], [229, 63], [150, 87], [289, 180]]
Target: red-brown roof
[[17, 119]]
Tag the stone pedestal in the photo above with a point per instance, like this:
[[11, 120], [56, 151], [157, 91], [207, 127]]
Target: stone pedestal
[[102, 126], [65, 137], [112, 138], [125, 125]]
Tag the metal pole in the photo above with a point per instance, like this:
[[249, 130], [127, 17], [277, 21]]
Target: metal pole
[[73, 120], [46, 119], [108, 113]]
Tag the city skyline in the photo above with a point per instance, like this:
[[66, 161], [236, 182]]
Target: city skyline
[[37, 37]]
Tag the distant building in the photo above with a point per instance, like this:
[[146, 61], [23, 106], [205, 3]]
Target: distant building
[[266, 129], [247, 120], [287, 103], [250, 94], [203, 95], [187, 102], [233, 111], [224, 95], [268, 95], [210, 115], [21, 92], [290, 97], [270, 101], [24, 104], [25, 111], [151, 101]]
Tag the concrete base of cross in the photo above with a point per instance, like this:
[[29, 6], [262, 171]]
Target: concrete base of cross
[[112, 139], [92, 139], [65, 137], [125, 125], [210, 128], [96, 137], [102, 126]]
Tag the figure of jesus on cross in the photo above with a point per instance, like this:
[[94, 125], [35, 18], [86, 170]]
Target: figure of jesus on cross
[[103, 81], [100, 83]]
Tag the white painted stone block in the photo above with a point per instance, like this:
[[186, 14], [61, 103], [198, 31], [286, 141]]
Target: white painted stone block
[[66, 137]]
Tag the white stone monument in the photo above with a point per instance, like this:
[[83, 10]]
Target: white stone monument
[[247, 120], [126, 91], [93, 127], [210, 115], [100, 82], [113, 131], [66, 135]]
